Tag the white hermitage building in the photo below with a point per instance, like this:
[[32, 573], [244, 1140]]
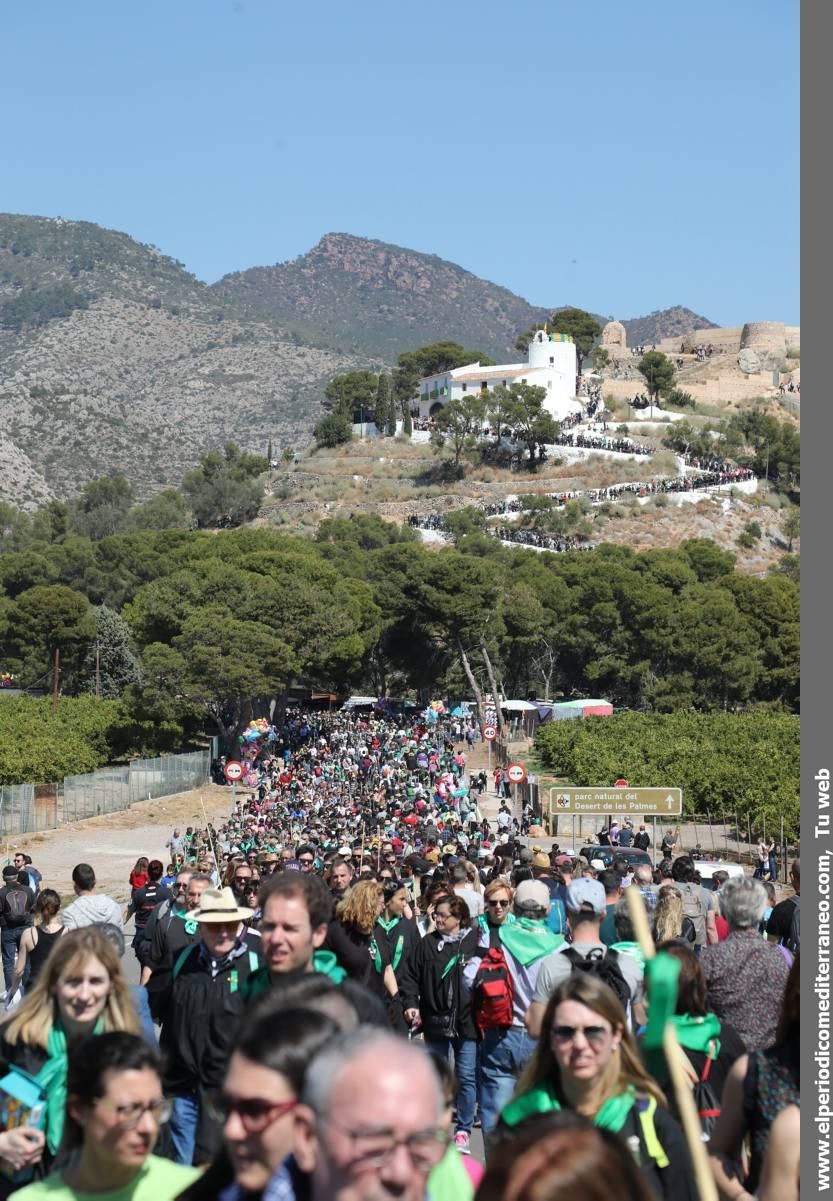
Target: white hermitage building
[[551, 365]]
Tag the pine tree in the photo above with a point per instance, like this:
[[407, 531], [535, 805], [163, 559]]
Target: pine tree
[[269, 453], [383, 403]]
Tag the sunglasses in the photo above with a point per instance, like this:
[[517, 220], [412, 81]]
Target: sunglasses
[[254, 1114], [306, 860], [499, 904], [595, 1035]]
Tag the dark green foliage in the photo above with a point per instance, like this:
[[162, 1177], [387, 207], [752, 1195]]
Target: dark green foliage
[[32, 307], [353, 395], [772, 448], [225, 490], [581, 326], [102, 507], [724, 763], [110, 664], [333, 430], [658, 372]]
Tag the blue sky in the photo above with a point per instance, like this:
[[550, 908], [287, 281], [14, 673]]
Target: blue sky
[[623, 157]]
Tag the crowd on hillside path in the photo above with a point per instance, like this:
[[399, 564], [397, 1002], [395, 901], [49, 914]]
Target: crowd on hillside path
[[360, 988]]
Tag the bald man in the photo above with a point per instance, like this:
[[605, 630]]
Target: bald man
[[368, 1127]]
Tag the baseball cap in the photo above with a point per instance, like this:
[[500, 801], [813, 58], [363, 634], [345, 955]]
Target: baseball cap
[[586, 893], [345, 851], [532, 893], [563, 861]]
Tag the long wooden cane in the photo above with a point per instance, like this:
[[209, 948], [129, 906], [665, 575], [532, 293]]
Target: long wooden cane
[[661, 1009]]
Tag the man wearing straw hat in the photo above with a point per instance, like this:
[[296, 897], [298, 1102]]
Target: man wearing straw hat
[[201, 1016]]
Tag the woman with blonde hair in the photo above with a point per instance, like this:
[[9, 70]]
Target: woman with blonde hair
[[587, 1062], [352, 940], [80, 991], [669, 920]]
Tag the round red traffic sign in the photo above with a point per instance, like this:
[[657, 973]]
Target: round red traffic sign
[[233, 770], [621, 784], [516, 773], [489, 733]]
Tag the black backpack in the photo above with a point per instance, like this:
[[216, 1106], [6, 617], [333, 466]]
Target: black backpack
[[604, 964], [16, 906]]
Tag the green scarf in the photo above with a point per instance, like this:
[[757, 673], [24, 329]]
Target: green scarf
[[528, 939], [542, 1099], [387, 926], [698, 1034], [52, 1079], [327, 963], [449, 1180], [631, 949]]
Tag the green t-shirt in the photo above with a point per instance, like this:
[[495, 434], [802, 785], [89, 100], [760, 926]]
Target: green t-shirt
[[157, 1180]]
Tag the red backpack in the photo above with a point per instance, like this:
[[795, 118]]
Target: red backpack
[[492, 992]]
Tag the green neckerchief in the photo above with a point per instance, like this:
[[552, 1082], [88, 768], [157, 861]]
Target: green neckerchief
[[259, 982], [698, 1034], [400, 943], [632, 949], [327, 963], [483, 922], [52, 1079], [529, 939], [449, 1180], [542, 1099]]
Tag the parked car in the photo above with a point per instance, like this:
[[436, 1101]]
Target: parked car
[[707, 868], [610, 855]]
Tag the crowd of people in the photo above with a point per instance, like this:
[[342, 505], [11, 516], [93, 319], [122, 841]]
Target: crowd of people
[[621, 445], [517, 535], [357, 970]]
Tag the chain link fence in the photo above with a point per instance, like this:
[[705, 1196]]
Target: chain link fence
[[115, 788], [25, 808]]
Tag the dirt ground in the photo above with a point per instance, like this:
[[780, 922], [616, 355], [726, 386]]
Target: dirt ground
[[112, 843]]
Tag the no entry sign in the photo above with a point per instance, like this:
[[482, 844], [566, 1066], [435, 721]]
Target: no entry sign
[[516, 773], [233, 770], [489, 733]]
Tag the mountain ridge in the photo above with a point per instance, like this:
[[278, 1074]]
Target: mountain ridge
[[114, 356]]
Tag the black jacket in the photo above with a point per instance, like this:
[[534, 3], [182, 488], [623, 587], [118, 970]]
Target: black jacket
[[444, 1003], [402, 942], [201, 1017]]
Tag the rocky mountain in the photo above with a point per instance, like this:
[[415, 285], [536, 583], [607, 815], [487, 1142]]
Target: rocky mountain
[[666, 323], [382, 299], [113, 356]]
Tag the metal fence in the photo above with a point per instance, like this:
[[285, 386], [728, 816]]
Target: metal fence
[[116, 788], [17, 805]]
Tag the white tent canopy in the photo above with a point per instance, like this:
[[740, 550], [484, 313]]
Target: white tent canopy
[[517, 706]]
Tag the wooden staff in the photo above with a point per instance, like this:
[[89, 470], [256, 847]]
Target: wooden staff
[[675, 1058]]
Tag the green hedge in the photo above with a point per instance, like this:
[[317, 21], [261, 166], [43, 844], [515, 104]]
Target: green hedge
[[37, 748], [724, 762]]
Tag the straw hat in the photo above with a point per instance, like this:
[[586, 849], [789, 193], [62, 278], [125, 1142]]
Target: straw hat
[[219, 905]]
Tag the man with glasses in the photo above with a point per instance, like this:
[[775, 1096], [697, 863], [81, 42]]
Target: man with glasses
[[306, 857], [524, 942], [369, 1124]]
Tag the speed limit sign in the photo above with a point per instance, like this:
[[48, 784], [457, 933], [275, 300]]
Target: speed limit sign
[[489, 733], [516, 773], [233, 770]]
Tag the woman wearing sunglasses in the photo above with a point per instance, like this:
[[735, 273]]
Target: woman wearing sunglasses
[[587, 1061]]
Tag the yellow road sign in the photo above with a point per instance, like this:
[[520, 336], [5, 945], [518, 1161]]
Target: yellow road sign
[[650, 802]]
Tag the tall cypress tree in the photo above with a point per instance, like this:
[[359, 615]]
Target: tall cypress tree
[[383, 399]]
